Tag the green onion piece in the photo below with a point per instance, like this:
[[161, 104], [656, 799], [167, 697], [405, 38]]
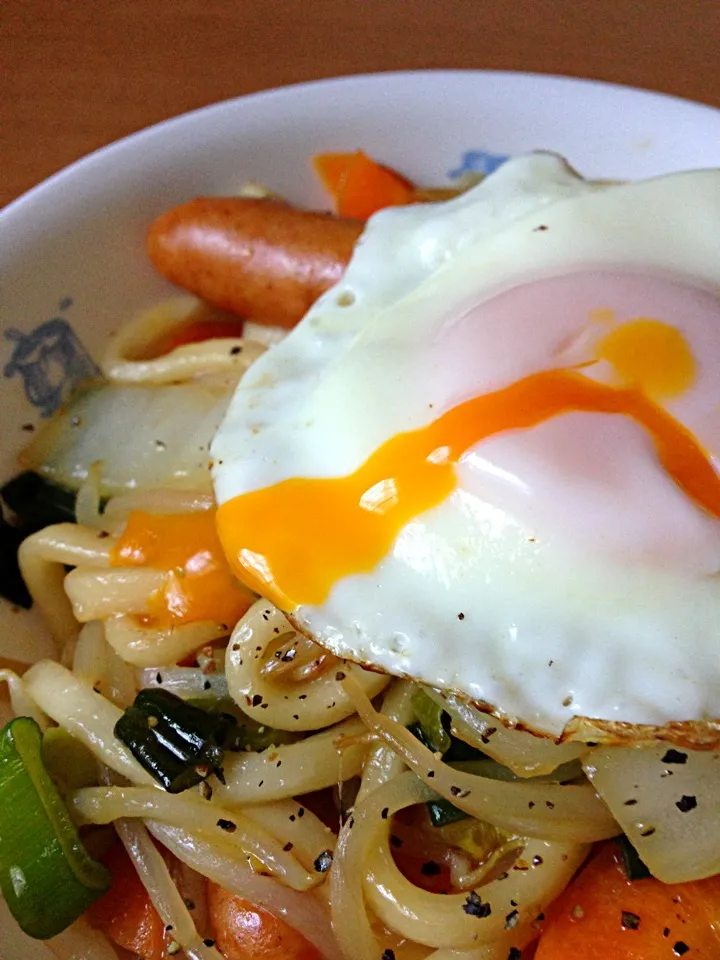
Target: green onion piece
[[442, 812], [37, 502], [633, 866], [179, 744], [46, 876], [68, 761], [251, 736], [430, 716]]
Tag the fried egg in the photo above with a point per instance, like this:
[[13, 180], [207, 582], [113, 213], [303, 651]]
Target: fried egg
[[487, 459]]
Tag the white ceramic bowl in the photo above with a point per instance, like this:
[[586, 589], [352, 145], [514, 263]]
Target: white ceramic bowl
[[72, 262]]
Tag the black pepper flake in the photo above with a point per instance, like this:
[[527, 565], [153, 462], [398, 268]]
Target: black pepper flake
[[301, 812], [537, 861], [279, 763], [263, 706], [512, 919], [234, 351], [395, 841], [514, 954], [351, 824], [206, 685], [685, 804], [303, 696], [666, 932], [542, 226], [459, 792], [430, 868], [630, 803], [296, 716], [208, 942], [680, 947], [648, 832], [261, 783], [28, 427], [385, 812], [289, 655], [256, 700], [474, 906], [461, 616], [288, 846], [531, 804], [292, 818], [629, 921], [168, 928], [549, 804], [388, 954], [323, 861], [674, 756], [431, 774], [158, 677], [227, 825], [485, 737], [339, 675], [190, 904]]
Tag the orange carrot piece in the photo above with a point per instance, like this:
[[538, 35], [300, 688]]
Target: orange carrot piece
[[126, 914], [604, 916], [359, 185], [332, 169], [245, 932]]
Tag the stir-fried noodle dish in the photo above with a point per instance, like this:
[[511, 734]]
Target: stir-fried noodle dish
[[381, 570]]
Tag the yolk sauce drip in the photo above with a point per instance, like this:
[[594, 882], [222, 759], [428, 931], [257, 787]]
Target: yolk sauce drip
[[200, 584], [292, 541]]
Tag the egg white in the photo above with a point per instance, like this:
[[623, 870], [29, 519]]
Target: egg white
[[543, 612]]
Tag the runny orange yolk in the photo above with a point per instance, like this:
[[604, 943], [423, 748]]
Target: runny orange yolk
[[294, 540], [200, 584]]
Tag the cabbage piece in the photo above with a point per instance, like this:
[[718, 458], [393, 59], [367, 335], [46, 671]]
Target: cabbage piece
[[141, 436], [667, 801]]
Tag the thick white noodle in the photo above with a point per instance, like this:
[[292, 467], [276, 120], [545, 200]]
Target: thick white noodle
[[522, 752], [384, 763], [189, 811], [319, 761], [308, 834], [165, 896], [145, 646], [42, 558], [90, 655], [87, 715], [120, 362], [160, 500], [21, 702], [100, 594], [305, 912], [436, 920], [313, 705], [526, 808]]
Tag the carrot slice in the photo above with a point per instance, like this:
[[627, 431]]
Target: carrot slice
[[604, 916], [126, 914], [359, 185], [332, 169], [245, 932]]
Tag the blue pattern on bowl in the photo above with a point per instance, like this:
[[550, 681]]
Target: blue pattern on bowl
[[478, 161], [51, 360]]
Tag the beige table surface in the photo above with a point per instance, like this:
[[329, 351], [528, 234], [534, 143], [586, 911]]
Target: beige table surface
[[77, 74]]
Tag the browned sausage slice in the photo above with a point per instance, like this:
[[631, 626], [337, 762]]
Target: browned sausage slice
[[261, 259]]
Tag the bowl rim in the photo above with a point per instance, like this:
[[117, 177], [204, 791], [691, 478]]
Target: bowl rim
[[16, 207]]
